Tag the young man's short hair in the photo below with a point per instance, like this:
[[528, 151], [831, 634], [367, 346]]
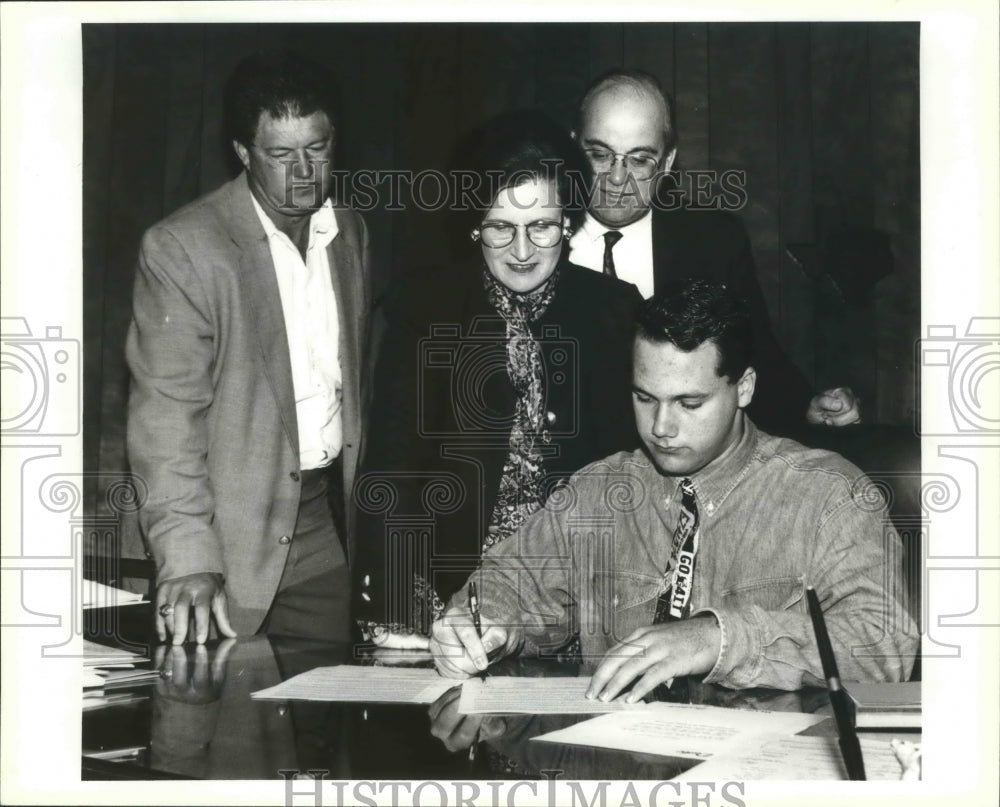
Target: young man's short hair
[[699, 311]]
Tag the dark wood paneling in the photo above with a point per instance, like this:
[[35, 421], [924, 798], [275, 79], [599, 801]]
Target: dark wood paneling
[[895, 150], [842, 193], [381, 72], [607, 47], [184, 119], [98, 101], [562, 70], [742, 70], [138, 134], [651, 48], [691, 95], [431, 117], [796, 219]]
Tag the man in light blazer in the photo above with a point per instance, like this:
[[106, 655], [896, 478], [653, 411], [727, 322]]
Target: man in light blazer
[[248, 351]]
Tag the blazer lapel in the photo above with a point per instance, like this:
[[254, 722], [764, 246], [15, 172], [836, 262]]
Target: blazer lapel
[[663, 251], [346, 279], [259, 286]]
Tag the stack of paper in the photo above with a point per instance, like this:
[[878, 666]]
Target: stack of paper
[[98, 700], [107, 668], [99, 595], [99, 655], [118, 678]]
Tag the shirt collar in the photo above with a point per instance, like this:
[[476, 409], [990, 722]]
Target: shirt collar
[[322, 223], [716, 481], [594, 230]]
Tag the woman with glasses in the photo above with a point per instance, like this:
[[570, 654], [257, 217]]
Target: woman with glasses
[[496, 380]]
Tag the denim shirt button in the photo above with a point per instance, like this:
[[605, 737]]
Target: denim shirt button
[[710, 508]]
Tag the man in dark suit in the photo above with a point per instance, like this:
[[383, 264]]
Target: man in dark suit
[[248, 348], [626, 128]]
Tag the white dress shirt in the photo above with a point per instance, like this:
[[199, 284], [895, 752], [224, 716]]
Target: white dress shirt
[[313, 329], [633, 253]]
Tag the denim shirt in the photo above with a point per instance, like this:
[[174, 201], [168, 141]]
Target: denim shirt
[[775, 517]]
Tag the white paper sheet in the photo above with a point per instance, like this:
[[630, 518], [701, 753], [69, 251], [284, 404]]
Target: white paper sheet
[[540, 696], [795, 758], [361, 684], [680, 730], [99, 595]]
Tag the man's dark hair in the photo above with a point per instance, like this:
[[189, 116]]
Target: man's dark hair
[[700, 311], [519, 146], [284, 83], [637, 80]]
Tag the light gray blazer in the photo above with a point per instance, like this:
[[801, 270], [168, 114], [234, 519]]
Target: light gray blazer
[[211, 418]]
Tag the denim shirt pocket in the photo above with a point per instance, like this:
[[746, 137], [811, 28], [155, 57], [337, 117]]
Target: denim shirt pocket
[[627, 600], [769, 593]]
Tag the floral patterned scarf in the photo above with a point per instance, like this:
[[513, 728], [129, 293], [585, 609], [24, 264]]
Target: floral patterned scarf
[[521, 490]]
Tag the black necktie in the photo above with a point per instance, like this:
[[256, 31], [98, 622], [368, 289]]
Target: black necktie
[[675, 602], [611, 237]]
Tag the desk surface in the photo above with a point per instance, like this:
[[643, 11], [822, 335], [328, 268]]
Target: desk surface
[[202, 723]]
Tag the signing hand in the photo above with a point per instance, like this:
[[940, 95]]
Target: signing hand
[[175, 599], [652, 655], [457, 648], [197, 683], [835, 407]]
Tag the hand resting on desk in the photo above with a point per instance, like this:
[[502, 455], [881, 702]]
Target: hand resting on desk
[[201, 596], [458, 650], [657, 653]]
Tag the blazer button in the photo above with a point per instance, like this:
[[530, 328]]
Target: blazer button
[[284, 540], [281, 709], [295, 476]]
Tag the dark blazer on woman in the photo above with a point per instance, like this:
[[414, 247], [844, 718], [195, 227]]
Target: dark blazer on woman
[[442, 412]]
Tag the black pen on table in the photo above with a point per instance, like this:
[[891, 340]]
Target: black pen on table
[[850, 748]]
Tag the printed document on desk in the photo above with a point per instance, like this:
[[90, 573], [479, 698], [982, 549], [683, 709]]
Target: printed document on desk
[[680, 730], [538, 696], [797, 758], [360, 684]]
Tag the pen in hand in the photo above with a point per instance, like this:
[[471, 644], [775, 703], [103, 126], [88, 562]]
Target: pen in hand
[[477, 622], [474, 609]]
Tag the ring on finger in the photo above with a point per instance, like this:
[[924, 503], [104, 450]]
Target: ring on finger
[[166, 609]]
